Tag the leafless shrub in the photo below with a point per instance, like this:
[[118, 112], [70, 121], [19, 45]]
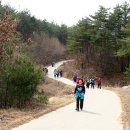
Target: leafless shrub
[[47, 49]]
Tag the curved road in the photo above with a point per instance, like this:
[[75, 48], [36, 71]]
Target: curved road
[[102, 111]]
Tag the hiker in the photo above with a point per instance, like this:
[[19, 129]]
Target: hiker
[[87, 83], [99, 81], [52, 64], [55, 73], [74, 78], [83, 80], [61, 73], [77, 80], [92, 82], [79, 94], [45, 70]]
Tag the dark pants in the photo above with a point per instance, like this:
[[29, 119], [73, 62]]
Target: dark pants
[[81, 103], [92, 85], [99, 86], [60, 74], [57, 75], [87, 85]]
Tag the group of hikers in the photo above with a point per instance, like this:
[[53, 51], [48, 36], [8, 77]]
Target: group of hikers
[[89, 81], [79, 91], [57, 73]]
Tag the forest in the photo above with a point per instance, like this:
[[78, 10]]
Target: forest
[[27, 44], [101, 40]]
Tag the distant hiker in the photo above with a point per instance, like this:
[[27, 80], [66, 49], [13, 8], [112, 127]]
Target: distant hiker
[[61, 73], [87, 82], [45, 70], [52, 64], [55, 73], [99, 82], [75, 78], [79, 94], [92, 82], [83, 80]]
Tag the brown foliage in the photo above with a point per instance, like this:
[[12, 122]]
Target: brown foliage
[[8, 35], [47, 49]]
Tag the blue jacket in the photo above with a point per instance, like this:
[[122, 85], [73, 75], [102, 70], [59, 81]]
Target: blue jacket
[[93, 81], [79, 91]]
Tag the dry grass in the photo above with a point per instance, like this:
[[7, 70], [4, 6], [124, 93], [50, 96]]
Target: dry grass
[[55, 88], [59, 95]]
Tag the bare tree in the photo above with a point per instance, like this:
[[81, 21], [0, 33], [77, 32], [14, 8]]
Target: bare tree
[[47, 49]]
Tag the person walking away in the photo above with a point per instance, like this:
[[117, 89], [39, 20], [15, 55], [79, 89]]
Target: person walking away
[[99, 81], [83, 80], [52, 64], [77, 80], [55, 73], [92, 82], [87, 83], [79, 95], [61, 73], [46, 71], [74, 78]]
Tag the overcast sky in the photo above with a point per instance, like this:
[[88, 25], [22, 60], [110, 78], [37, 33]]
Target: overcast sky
[[68, 12]]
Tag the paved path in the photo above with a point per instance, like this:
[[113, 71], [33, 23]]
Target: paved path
[[102, 111]]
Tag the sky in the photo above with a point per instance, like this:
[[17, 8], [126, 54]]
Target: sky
[[67, 12]]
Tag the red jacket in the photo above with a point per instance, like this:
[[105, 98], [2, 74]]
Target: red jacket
[[99, 81]]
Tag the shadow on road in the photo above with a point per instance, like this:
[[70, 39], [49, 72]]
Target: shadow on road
[[89, 112]]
